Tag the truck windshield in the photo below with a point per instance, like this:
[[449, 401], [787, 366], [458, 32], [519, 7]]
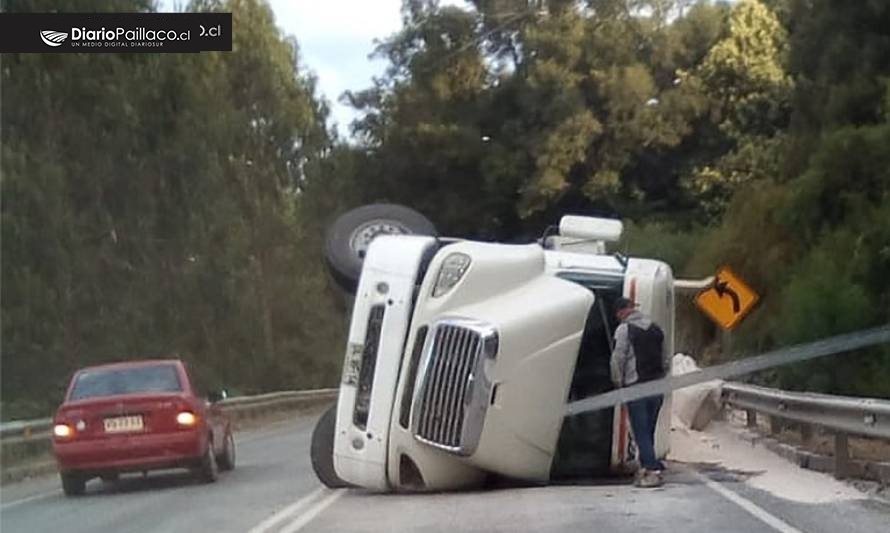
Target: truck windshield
[[110, 382]]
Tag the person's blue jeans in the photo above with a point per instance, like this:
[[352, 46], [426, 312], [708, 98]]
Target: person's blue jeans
[[643, 414]]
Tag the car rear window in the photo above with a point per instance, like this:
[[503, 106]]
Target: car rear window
[[96, 383]]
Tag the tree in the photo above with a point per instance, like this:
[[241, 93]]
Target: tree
[[816, 240], [745, 76], [558, 108], [152, 207]]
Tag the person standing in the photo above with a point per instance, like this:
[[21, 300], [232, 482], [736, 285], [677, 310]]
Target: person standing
[[637, 357]]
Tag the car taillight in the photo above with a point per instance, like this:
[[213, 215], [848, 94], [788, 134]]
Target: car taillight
[[186, 418], [63, 431]]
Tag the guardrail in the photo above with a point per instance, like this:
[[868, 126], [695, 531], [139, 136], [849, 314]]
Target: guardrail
[[843, 416], [247, 406], [24, 427], [27, 440]]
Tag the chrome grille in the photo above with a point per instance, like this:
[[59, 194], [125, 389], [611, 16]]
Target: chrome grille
[[442, 400]]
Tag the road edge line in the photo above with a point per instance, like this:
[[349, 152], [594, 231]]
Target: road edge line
[[752, 508], [33, 497], [285, 513], [310, 514]]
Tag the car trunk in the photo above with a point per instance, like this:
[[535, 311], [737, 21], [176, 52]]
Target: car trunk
[[111, 415]]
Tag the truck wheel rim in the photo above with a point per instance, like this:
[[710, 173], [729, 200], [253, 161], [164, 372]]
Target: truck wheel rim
[[363, 235]]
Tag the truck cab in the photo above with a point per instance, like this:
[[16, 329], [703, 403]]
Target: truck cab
[[462, 356]]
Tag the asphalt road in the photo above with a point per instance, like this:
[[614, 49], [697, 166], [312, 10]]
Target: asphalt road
[[273, 489]]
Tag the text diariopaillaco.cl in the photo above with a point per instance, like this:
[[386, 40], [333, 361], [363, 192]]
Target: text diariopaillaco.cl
[[136, 34]]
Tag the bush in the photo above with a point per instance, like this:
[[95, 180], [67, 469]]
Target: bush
[[672, 244]]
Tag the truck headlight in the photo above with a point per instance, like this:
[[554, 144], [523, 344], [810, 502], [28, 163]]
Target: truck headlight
[[452, 270]]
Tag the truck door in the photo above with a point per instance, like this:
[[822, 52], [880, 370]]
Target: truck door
[[649, 284]]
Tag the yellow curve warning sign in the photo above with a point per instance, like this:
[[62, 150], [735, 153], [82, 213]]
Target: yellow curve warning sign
[[728, 300]]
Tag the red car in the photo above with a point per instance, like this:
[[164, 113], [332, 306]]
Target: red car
[[138, 416]]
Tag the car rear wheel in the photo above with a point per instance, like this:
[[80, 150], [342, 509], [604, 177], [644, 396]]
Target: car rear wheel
[[209, 470], [73, 484], [226, 461], [348, 237], [322, 450]]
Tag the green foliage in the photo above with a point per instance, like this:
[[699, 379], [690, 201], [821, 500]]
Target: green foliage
[[664, 241], [152, 207], [746, 71], [158, 205], [822, 299], [759, 119], [558, 108], [821, 234], [746, 78]]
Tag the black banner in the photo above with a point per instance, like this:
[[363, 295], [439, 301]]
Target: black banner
[[115, 32]]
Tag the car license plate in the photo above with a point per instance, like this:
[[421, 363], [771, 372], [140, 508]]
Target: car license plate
[[122, 424]]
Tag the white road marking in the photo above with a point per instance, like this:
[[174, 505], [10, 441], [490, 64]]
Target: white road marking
[[755, 510], [285, 513], [312, 512], [35, 497]]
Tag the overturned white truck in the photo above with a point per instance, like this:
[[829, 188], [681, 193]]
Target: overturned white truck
[[462, 355]]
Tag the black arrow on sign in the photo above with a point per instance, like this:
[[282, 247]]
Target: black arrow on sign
[[722, 287]]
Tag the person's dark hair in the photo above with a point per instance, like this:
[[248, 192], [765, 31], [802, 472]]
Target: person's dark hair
[[623, 303]]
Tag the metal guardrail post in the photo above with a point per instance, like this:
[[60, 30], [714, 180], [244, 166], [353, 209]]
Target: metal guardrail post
[[692, 285], [841, 416], [806, 434], [841, 456], [751, 418], [775, 425], [867, 417]]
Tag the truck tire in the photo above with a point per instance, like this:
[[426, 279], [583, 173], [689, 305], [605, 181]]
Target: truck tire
[[321, 451], [348, 237]]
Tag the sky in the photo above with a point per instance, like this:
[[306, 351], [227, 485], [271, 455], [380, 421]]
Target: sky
[[335, 38]]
